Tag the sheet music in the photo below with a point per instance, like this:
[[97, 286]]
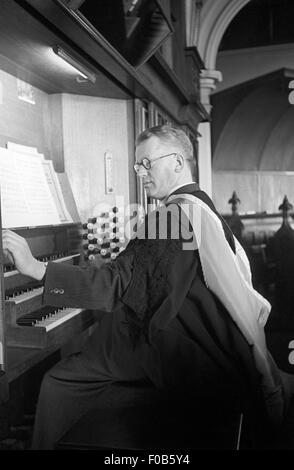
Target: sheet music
[[21, 148], [26, 199], [56, 191], [64, 185], [51, 177]]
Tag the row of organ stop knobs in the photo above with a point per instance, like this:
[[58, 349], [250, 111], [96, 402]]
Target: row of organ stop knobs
[[103, 235]]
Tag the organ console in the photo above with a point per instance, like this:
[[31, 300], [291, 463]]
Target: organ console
[[27, 326], [30, 324], [102, 235]]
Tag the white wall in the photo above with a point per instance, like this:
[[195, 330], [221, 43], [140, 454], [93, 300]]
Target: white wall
[[91, 126], [241, 65], [258, 191]]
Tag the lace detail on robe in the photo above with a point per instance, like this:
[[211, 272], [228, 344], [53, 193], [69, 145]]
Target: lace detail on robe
[[149, 285]]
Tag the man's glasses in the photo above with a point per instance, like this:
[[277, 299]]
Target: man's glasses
[[147, 164]]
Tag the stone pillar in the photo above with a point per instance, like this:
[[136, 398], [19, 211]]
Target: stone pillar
[[204, 157], [208, 80], [193, 21]]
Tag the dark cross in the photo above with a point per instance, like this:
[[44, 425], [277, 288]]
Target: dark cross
[[286, 207], [235, 201], [235, 223]]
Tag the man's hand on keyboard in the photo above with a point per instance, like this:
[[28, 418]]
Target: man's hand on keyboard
[[17, 250]]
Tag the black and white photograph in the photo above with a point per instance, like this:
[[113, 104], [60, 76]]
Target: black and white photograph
[[147, 228]]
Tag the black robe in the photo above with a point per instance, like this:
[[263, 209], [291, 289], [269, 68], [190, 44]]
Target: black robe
[[161, 312]]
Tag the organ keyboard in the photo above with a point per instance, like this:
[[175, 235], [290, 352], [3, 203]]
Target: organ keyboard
[[28, 328], [29, 323], [49, 317], [48, 327]]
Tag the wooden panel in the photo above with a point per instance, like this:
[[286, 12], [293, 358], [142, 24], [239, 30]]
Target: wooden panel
[[4, 391], [245, 185], [91, 126], [258, 191], [81, 127], [16, 310], [179, 39], [20, 360], [36, 125], [131, 157], [273, 187], [23, 122]]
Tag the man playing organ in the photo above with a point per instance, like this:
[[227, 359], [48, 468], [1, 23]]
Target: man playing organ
[[181, 311]]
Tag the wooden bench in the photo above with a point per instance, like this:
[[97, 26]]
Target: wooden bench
[[145, 419]]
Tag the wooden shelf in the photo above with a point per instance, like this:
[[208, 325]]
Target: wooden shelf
[[20, 360]]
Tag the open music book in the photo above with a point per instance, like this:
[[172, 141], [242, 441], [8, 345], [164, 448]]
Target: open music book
[[30, 189]]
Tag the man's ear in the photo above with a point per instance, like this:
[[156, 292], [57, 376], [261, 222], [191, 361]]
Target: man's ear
[[179, 162]]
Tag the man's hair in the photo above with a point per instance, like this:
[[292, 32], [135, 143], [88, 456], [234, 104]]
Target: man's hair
[[172, 135], [175, 136]]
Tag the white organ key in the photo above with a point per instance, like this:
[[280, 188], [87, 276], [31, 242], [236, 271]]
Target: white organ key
[[65, 258], [58, 318], [17, 299]]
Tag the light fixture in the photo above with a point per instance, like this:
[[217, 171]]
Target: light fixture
[[84, 74], [25, 92]]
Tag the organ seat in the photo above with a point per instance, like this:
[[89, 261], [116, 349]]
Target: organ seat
[[143, 418]]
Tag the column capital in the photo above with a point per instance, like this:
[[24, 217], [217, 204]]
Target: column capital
[[208, 81], [193, 17]]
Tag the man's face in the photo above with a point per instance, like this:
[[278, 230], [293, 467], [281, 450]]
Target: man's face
[[160, 179]]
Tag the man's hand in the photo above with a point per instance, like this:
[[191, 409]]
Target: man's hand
[[18, 252]]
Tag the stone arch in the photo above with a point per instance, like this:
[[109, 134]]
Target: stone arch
[[207, 22], [215, 18]]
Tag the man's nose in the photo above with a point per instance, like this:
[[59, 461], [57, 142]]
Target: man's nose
[[142, 172]]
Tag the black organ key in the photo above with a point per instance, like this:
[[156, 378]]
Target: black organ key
[[8, 267], [12, 293], [105, 245], [33, 318]]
